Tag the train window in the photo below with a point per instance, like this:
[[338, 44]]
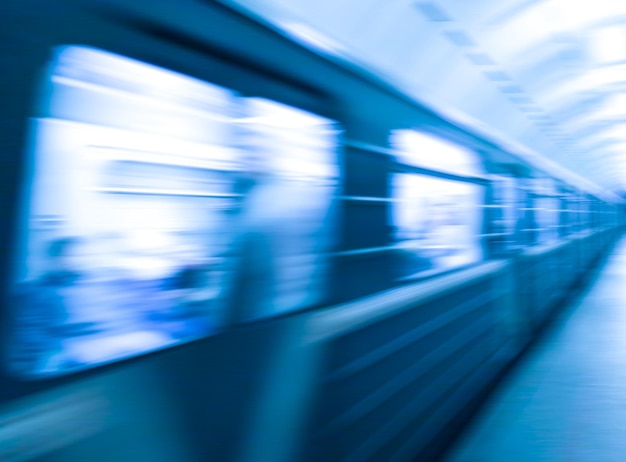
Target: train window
[[545, 208], [573, 212], [570, 213], [580, 213], [286, 214], [526, 223], [547, 218], [436, 224], [124, 248], [505, 213], [151, 201], [561, 204], [430, 152]]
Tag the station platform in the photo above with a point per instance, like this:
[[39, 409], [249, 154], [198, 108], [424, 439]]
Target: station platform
[[566, 399]]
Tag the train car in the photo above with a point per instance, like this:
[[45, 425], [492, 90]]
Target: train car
[[223, 245]]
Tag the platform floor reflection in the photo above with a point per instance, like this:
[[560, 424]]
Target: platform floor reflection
[[567, 400]]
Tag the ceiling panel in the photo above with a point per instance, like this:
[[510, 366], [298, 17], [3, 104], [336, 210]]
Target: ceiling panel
[[549, 74]]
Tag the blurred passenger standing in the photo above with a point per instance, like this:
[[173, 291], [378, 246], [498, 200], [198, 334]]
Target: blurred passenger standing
[[41, 311], [76, 297], [252, 285]]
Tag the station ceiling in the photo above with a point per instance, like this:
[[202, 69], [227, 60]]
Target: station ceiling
[[549, 75]]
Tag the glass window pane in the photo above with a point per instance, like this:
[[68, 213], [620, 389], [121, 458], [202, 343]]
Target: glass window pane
[[152, 203], [427, 151], [506, 213], [546, 209], [436, 224], [285, 222], [125, 246]]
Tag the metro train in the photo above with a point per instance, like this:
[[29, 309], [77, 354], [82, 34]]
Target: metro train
[[223, 245]]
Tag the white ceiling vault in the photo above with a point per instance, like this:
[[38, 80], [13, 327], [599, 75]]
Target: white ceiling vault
[[549, 75]]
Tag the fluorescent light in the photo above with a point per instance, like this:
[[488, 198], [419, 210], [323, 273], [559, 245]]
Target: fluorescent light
[[608, 44], [312, 37], [604, 76], [575, 15]]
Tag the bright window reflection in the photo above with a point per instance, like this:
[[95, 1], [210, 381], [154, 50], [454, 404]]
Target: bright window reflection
[[547, 206], [436, 224], [152, 207], [506, 198], [427, 151], [505, 213], [289, 179]]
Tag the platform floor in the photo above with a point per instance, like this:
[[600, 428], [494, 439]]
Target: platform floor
[[566, 401]]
